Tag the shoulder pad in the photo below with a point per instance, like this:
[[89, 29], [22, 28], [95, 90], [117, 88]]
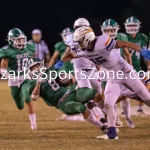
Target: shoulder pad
[[105, 42]]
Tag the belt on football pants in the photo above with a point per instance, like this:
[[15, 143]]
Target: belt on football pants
[[64, 96]]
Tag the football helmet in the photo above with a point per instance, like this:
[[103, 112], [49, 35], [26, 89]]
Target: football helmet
[[110, 27], [17, 38], [132, 25], [32, 62], [67, 35], [84, 36], [81, 22]]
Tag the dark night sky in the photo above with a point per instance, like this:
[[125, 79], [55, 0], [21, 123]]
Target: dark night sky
[[54, 15]]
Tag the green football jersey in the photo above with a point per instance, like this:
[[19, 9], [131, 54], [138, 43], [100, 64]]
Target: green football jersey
[[123, 37], [141, 40], [18, 59], [51, 91], [61, 48]]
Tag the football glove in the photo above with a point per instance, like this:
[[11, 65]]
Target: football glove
[[59, 64], [145, 53]]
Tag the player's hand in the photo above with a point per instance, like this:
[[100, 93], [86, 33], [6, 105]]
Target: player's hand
[[59, 64], [145, 53]]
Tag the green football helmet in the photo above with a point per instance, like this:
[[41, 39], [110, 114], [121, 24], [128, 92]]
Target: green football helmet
[[17, 38], [36, 70], [110, 27], [34, 61], [132, 25]]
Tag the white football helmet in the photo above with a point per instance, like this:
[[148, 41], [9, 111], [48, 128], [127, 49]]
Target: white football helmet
[[84, 36], [81, 22]]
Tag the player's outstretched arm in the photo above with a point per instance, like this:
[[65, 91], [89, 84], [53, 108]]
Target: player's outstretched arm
[[67, 55], [36, 92], [54, 58], [143, 52], [122, 44]]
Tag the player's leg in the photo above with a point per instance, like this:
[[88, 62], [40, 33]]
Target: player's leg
[[16, 94], [112, 93], [137, 86], [87, 83], [72, 106], [125, 105], [27, 98]]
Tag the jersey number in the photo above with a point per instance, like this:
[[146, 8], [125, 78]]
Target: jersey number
[[54, 85], [22, 63], [137, 54], [98, 60]]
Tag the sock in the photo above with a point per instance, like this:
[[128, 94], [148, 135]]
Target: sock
[[97, 112], [92, 119], [125, 105], [111, 115], [32, 118]]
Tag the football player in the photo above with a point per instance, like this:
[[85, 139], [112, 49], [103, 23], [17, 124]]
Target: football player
[[110, 27], [132, 27], [84, 66], [14, 62], [100, 51], [59, 50], [54, 94]]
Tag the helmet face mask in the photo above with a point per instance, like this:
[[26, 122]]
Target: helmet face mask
[[132, 25], [110, 27], [17, 39], [35, 66]]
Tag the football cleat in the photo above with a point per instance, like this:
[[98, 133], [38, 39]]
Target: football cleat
[[140, 113], [33, 127], [105, 137], [130, 123]]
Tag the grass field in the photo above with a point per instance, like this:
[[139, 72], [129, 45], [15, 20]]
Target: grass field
[[15, 133]]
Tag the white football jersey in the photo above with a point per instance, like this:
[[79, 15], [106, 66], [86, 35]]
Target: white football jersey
[[80, 63], [104, 55]]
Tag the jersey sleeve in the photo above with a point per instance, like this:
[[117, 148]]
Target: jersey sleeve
[[122, 37], [4, 52], [31, 46], [59, 46], [105, 42]]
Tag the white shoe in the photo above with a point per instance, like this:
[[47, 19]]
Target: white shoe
[[130, 123], [105, 137], [63, 117], [119, 123], [33, 127]]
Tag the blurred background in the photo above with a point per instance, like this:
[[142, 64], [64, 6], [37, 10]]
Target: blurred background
[[51, 17]]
